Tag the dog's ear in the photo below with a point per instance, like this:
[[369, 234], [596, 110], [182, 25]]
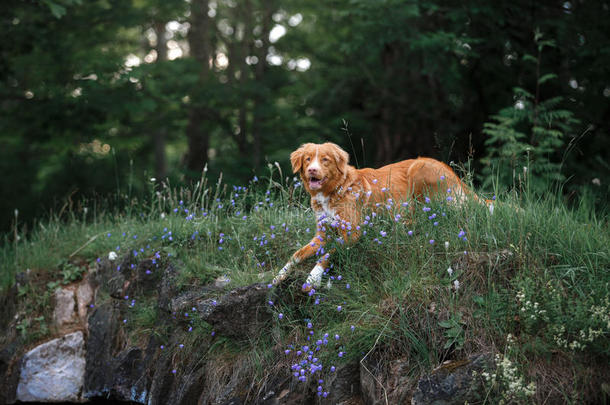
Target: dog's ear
[[296, 159], [341, 157]]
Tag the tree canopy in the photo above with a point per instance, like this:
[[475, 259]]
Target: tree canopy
[[100, 96]]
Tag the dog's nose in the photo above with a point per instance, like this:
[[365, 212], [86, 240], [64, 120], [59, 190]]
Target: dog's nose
[[312, 170]]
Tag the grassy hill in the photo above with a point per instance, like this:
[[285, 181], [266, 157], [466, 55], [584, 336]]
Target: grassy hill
[[429, 281]]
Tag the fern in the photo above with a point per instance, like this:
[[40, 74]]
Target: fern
[[524, 140]]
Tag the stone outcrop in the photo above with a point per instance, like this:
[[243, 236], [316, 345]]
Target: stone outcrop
[[93, 359], [453, 383], [53, 371]]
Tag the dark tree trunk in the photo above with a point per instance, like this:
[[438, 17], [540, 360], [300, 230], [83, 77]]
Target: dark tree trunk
[[199, 43], [159, 133], [259, 74]]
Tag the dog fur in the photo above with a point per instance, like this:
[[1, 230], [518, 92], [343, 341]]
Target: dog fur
[[340, 191]]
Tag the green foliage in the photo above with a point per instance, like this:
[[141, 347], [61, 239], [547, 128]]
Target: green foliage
[[524, 141], [454, 331], [448, 282]]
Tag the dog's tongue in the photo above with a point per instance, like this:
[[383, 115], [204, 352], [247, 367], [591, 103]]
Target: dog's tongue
[[315, 184]]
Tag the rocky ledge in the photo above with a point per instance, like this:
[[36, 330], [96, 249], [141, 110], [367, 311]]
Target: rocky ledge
[[90, 358]]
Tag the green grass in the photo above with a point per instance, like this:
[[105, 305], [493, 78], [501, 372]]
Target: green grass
[[532, 280]]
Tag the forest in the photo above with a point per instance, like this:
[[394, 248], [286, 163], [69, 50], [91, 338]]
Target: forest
[[102, 98]]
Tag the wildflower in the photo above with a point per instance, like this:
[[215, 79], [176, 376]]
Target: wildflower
[[410, 233], [432, 241], [339, 308], [352, 327], [456, 284], [446, 245], [281, 316], [309, 325], [450, 271], [112, 256], [427, 199]]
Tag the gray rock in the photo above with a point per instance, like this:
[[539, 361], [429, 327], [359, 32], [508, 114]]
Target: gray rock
[[453, 383], [241, 313], [84, 297], [103, 327], [63, 312], [53, 371], [10, 366], [345, 383]]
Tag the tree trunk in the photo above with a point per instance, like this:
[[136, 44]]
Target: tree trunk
[[159, 133], [199, 43], [259, 74]]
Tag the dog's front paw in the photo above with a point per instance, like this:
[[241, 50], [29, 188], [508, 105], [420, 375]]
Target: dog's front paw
[[281, 276], [315, 277]]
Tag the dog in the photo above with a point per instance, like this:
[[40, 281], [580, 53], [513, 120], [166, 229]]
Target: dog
[[339, 192]]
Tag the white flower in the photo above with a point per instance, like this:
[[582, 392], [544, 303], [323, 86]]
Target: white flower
[[450, 271], [446, 245], [152, 179], [112, 256], [456, 284]]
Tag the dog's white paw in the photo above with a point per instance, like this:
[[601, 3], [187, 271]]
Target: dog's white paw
[[315, 277], [281, 275]]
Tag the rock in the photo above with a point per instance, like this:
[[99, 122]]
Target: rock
[[382, 379], [63, 313], [128, 379], [345, 383], [53, 371], [84, 297], [9, 372], [167, 287], [453, 383], [103, 327], [241, 313]]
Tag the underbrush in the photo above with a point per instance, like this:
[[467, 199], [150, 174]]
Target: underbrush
[[428, 281]]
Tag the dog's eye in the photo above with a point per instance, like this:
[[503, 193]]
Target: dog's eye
[[307, 159], [324, 160]]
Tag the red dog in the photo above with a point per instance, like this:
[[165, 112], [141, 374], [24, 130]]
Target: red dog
[[338, 191]]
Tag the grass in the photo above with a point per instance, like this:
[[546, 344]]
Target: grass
[[529, 283]]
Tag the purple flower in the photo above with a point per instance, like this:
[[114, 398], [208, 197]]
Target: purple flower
[[339, 308], [432, 241], [281, 316]]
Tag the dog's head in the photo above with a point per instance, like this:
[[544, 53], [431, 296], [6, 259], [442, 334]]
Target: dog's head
[[321, 166]]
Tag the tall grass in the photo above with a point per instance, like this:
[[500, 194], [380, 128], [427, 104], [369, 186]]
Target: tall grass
[[429, 281]]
